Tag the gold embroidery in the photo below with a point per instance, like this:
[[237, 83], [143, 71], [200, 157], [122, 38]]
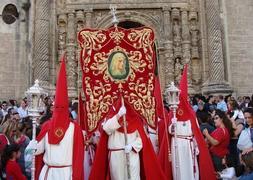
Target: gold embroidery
[[138, 92], [180, 112], [117, 36], [59, 132]]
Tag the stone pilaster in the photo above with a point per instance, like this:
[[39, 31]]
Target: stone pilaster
[[80, 21], [168, 46], [216, 82], [88, 15], [186, 47], [71, 56], [62, 34], [41, 42], [195, 59]]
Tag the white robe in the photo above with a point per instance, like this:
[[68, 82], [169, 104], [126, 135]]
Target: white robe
[[154, 139], [185, 156], [57, 155], [89, 154], [118, 167]]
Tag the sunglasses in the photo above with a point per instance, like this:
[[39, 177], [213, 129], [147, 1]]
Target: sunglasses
[[216, 117]]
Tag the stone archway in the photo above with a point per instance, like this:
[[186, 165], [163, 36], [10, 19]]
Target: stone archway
[[133, 16]]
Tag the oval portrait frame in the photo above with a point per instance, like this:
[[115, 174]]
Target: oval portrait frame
[[113, 67]]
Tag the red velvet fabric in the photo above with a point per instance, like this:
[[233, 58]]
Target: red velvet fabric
[[78, 152], [100, 89], [82, 114], [158, 99], [150, 168]]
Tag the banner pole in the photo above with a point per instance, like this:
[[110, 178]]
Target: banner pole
[[126, 141]]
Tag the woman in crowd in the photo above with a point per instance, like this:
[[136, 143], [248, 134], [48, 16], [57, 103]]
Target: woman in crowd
[[219, 139], [7, 132], [22, 140], [247, 160], [245, 141], [9, 161], [237, 119]]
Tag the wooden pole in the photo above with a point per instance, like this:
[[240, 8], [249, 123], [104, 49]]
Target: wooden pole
[[126, 141]]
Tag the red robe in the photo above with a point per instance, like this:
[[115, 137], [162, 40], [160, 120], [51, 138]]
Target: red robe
[[78, 152], [149, 166]]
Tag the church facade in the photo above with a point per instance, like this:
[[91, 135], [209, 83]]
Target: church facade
[[214, 37]]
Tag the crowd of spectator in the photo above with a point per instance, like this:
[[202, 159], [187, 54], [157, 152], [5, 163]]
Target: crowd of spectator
[[16, 133], [226, 124]]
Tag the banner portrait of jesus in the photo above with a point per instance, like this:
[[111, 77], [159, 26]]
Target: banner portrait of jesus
[[118, 65]]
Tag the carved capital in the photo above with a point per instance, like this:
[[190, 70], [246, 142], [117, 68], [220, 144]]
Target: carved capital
[[166, 8], [193, 15], [175, 14], [80, 17]]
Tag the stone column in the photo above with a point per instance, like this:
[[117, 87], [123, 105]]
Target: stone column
[[71, 57], [177, 44], [41, 42], [216, 82], [168, 46], [186, 46], [80, 19], [22, 71], [88, 15], [62, 34], [53, 59], [195, 59]]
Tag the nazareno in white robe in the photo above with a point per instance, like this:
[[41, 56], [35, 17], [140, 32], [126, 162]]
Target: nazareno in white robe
[[57, 155], [117, 159], [185, 156]]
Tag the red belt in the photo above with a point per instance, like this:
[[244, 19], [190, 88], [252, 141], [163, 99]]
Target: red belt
[[49, 167]]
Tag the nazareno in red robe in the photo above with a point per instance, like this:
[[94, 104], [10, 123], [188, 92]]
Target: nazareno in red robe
[[149, 165]]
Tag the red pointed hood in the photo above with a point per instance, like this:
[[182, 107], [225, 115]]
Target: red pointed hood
[[185, 112], [182, 113], [60, 119]]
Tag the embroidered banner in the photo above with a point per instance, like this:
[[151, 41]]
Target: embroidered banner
[[117, 62]]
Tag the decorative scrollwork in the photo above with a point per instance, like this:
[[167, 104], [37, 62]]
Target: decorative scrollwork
[[92, 39], [117, 36], [142, 39], [118, 61]]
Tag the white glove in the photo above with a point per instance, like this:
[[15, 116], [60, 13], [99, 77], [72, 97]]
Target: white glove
[[128, 148], [228, 173], [122, 111], [32, 145]]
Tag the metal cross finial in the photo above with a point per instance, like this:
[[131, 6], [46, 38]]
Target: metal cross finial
[[115, 21]]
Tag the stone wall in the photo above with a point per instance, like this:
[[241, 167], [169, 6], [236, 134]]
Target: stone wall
[[240, 45], [13, 79], [199, 32]]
